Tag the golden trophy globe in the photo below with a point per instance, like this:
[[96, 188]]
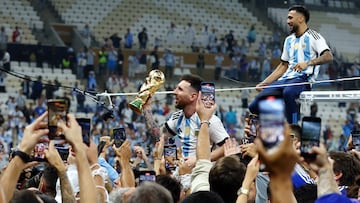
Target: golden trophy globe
[[151, 84]]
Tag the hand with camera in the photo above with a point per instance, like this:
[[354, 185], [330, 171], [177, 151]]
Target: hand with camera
[[280, 164], [127, 178], [73, 135], [21, 160]]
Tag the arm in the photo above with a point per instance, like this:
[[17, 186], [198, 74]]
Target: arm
[[250, 175], [326, 57], [326, 182], [276, 74], [73, 136], [280, 165], [217, 153], [12, 173], [53, 157], [127, 178]]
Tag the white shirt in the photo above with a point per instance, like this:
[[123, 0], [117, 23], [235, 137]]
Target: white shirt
[[308, 46], [184, 128]]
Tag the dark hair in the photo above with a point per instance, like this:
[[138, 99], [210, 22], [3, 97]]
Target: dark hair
[[203, 196], [347, 164], [226, 177], [306, 193], [194, 80], [171, 184], [49, 178], [301, 9], [24, 196], [150, 192]]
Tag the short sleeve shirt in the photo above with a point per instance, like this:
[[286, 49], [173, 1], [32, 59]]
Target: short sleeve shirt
[[184, 128], [308, 46]]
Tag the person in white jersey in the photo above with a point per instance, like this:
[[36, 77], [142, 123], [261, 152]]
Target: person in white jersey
[[304, 50], [183, 123]]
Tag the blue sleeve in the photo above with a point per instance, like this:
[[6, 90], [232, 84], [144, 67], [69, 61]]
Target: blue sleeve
[[333, 198], [113, 175]]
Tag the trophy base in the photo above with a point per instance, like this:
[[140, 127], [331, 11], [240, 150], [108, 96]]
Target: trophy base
[[136, 106]]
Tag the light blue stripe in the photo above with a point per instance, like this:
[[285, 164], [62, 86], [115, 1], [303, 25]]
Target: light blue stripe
[[307, 48], [186, 150], [296, 50]]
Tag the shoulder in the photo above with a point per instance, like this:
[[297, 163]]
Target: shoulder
[[176, 115], [314, 34]]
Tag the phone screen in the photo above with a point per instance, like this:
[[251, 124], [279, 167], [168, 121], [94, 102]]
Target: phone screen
[[271, 117], [147, 176], [170, 154], [253, 122], [63, 152], [39, 151], [356, 140], [85, 124], [119, 136], [57, 110], [208, 93], [310, 136]]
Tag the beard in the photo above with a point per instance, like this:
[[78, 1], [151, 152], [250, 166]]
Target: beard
[[180, 105], [294, 29]]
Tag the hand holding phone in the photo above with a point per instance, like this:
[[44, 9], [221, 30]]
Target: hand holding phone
[[208, 93], [310, 136], [170, 155], [253, 123], [271, 117], [85, 124]]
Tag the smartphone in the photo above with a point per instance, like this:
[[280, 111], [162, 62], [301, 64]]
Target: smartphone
[[170, 154], [253, 123], [356, 140], [310, 136], [39, 152], [271, 120], [63, 152], [208, 93], [57, 110], [147, 176], [119, 136], [85, 124]]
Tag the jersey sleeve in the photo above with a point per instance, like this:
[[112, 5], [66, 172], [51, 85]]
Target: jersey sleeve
[[285, 52], [170, 124], [320, 44], [217, 131]]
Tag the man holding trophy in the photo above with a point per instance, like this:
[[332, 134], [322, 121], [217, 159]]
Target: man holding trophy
[[183, 123]]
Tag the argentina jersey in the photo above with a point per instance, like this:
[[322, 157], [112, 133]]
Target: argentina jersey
[[308, 46]]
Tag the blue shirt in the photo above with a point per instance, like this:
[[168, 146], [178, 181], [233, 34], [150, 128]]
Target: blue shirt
[[113, 175]]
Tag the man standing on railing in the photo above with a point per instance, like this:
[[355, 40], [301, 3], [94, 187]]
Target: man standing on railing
[[304, 51]]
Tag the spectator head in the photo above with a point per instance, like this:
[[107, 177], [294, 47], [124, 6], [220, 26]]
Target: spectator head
[[194, 80], [48, 179], [306, 193], [118, 195], [345, 166], [302, 10], [203, 196], [171, 184], [26, 196], [226, 177], [150, 192]]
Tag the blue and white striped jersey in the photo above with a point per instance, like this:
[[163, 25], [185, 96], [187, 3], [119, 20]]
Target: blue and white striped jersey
[[308, 46], [184, 128]]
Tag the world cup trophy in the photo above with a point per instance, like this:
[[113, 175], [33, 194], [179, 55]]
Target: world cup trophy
[[151, 84]]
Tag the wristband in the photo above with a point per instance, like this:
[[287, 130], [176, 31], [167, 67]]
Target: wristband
[[243, 191], [23, 156], [205, 121]]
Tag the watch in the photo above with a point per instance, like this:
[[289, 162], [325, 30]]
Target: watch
[[23, 156], [205, 121], [243, 191]]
